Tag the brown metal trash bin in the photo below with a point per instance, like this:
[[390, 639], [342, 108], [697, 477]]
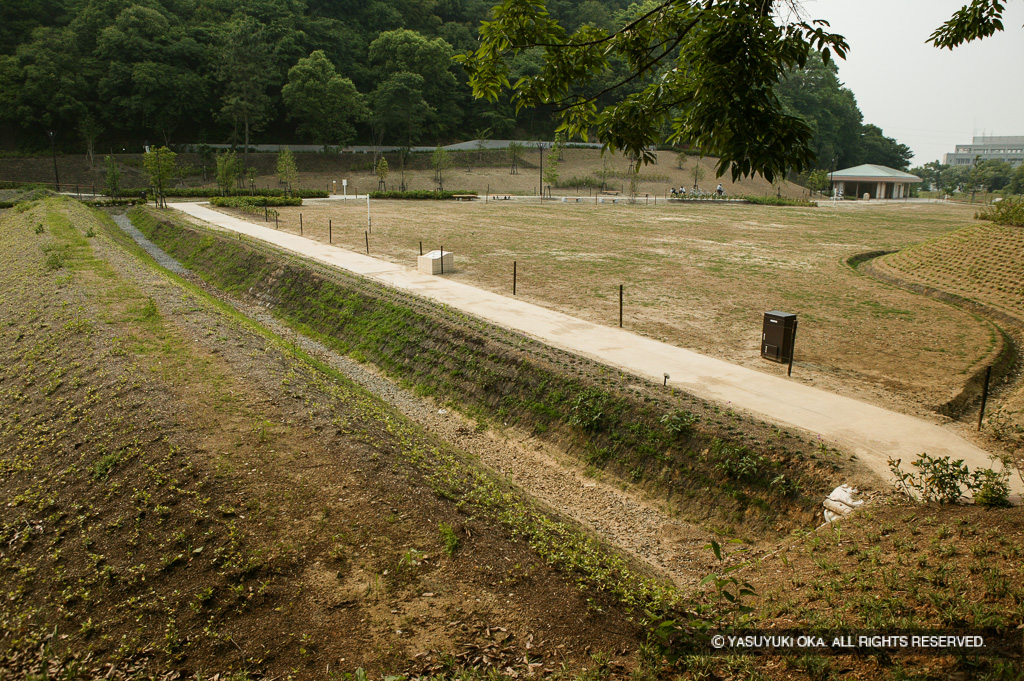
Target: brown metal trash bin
[[778, 335]]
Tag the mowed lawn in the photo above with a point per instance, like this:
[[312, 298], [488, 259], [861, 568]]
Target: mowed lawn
[[700, 276]]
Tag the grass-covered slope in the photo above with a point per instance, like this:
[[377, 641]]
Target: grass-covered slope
[[182, 493], [983, 262], [710, 461], [980, 267]]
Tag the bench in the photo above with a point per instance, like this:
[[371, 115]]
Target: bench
[[500, 197], [465, 197], [611, 193]]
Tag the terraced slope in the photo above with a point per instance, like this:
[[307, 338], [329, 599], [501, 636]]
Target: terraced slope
[[983, 262], [982, 267]]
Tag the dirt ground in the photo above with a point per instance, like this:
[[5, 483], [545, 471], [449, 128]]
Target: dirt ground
[[189, 494], [701, 276], [212, 503]]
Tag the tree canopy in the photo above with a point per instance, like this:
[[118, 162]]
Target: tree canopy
[[707, 71], [705, 74], [211, 71], [326, 104]]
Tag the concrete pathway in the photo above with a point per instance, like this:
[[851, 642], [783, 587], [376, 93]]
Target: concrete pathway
[[872, 433]]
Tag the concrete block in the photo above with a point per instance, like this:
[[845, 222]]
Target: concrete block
[[431, 263]]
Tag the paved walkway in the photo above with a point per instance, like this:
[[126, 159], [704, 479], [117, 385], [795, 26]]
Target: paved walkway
[[872, 433]]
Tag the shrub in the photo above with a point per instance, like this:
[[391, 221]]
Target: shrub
[[251, 201], [1006, 212], [577, 182], [449, 539], [419, 194], [55, 261], [944, 481], [738, 462], [205, 192], [588, 411], [778, 201], [679, 422], [990, 488], [107, 203]]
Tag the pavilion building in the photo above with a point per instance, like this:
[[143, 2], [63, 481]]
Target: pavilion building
[[873, 182]]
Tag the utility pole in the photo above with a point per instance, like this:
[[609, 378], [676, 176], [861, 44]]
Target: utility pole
[[53, 152], [540, 148]]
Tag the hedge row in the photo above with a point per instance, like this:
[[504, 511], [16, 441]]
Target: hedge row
[[779, 201], [106, 203], [203, 192], [417, 194], [253, 201]]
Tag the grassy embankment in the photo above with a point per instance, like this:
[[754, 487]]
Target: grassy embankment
[[709, 462], [979, 267], [136, 527], [151, 546]]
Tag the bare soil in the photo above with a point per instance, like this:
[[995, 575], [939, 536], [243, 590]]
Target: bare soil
[[185, 494], [188, 492]]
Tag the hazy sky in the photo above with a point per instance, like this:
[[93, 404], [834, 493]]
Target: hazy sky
[[924, 97]]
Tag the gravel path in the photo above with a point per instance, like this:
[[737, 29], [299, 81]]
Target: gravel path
[[639, 528], [162, 258]]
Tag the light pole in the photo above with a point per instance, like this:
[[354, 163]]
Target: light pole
[[53, 152], [540, 148], [831, 182]]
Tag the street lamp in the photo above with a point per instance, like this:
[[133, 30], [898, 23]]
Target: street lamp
[[53, 152], [831, 173], [540, 148]]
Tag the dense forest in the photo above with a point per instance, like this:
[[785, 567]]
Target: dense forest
[[113, 74]]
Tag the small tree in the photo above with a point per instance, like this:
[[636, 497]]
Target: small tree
[[286, 170], [817, 181], [634, 182], [698, 174], [514, 151], [228, 170], [440, 161], [159, 164], [206, 157], [112, 177], [382, 171], [90, 130], [554, 157]]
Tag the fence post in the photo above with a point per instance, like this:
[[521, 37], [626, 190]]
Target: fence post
[[300, 224], [513, 277], [984, 395], [367, 235], [620, 306], [330, 236]]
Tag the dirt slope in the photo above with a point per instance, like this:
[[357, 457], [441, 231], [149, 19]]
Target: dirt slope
[[184, 493]]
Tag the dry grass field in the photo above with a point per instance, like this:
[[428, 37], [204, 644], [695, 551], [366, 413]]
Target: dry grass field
[[701, 275]]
